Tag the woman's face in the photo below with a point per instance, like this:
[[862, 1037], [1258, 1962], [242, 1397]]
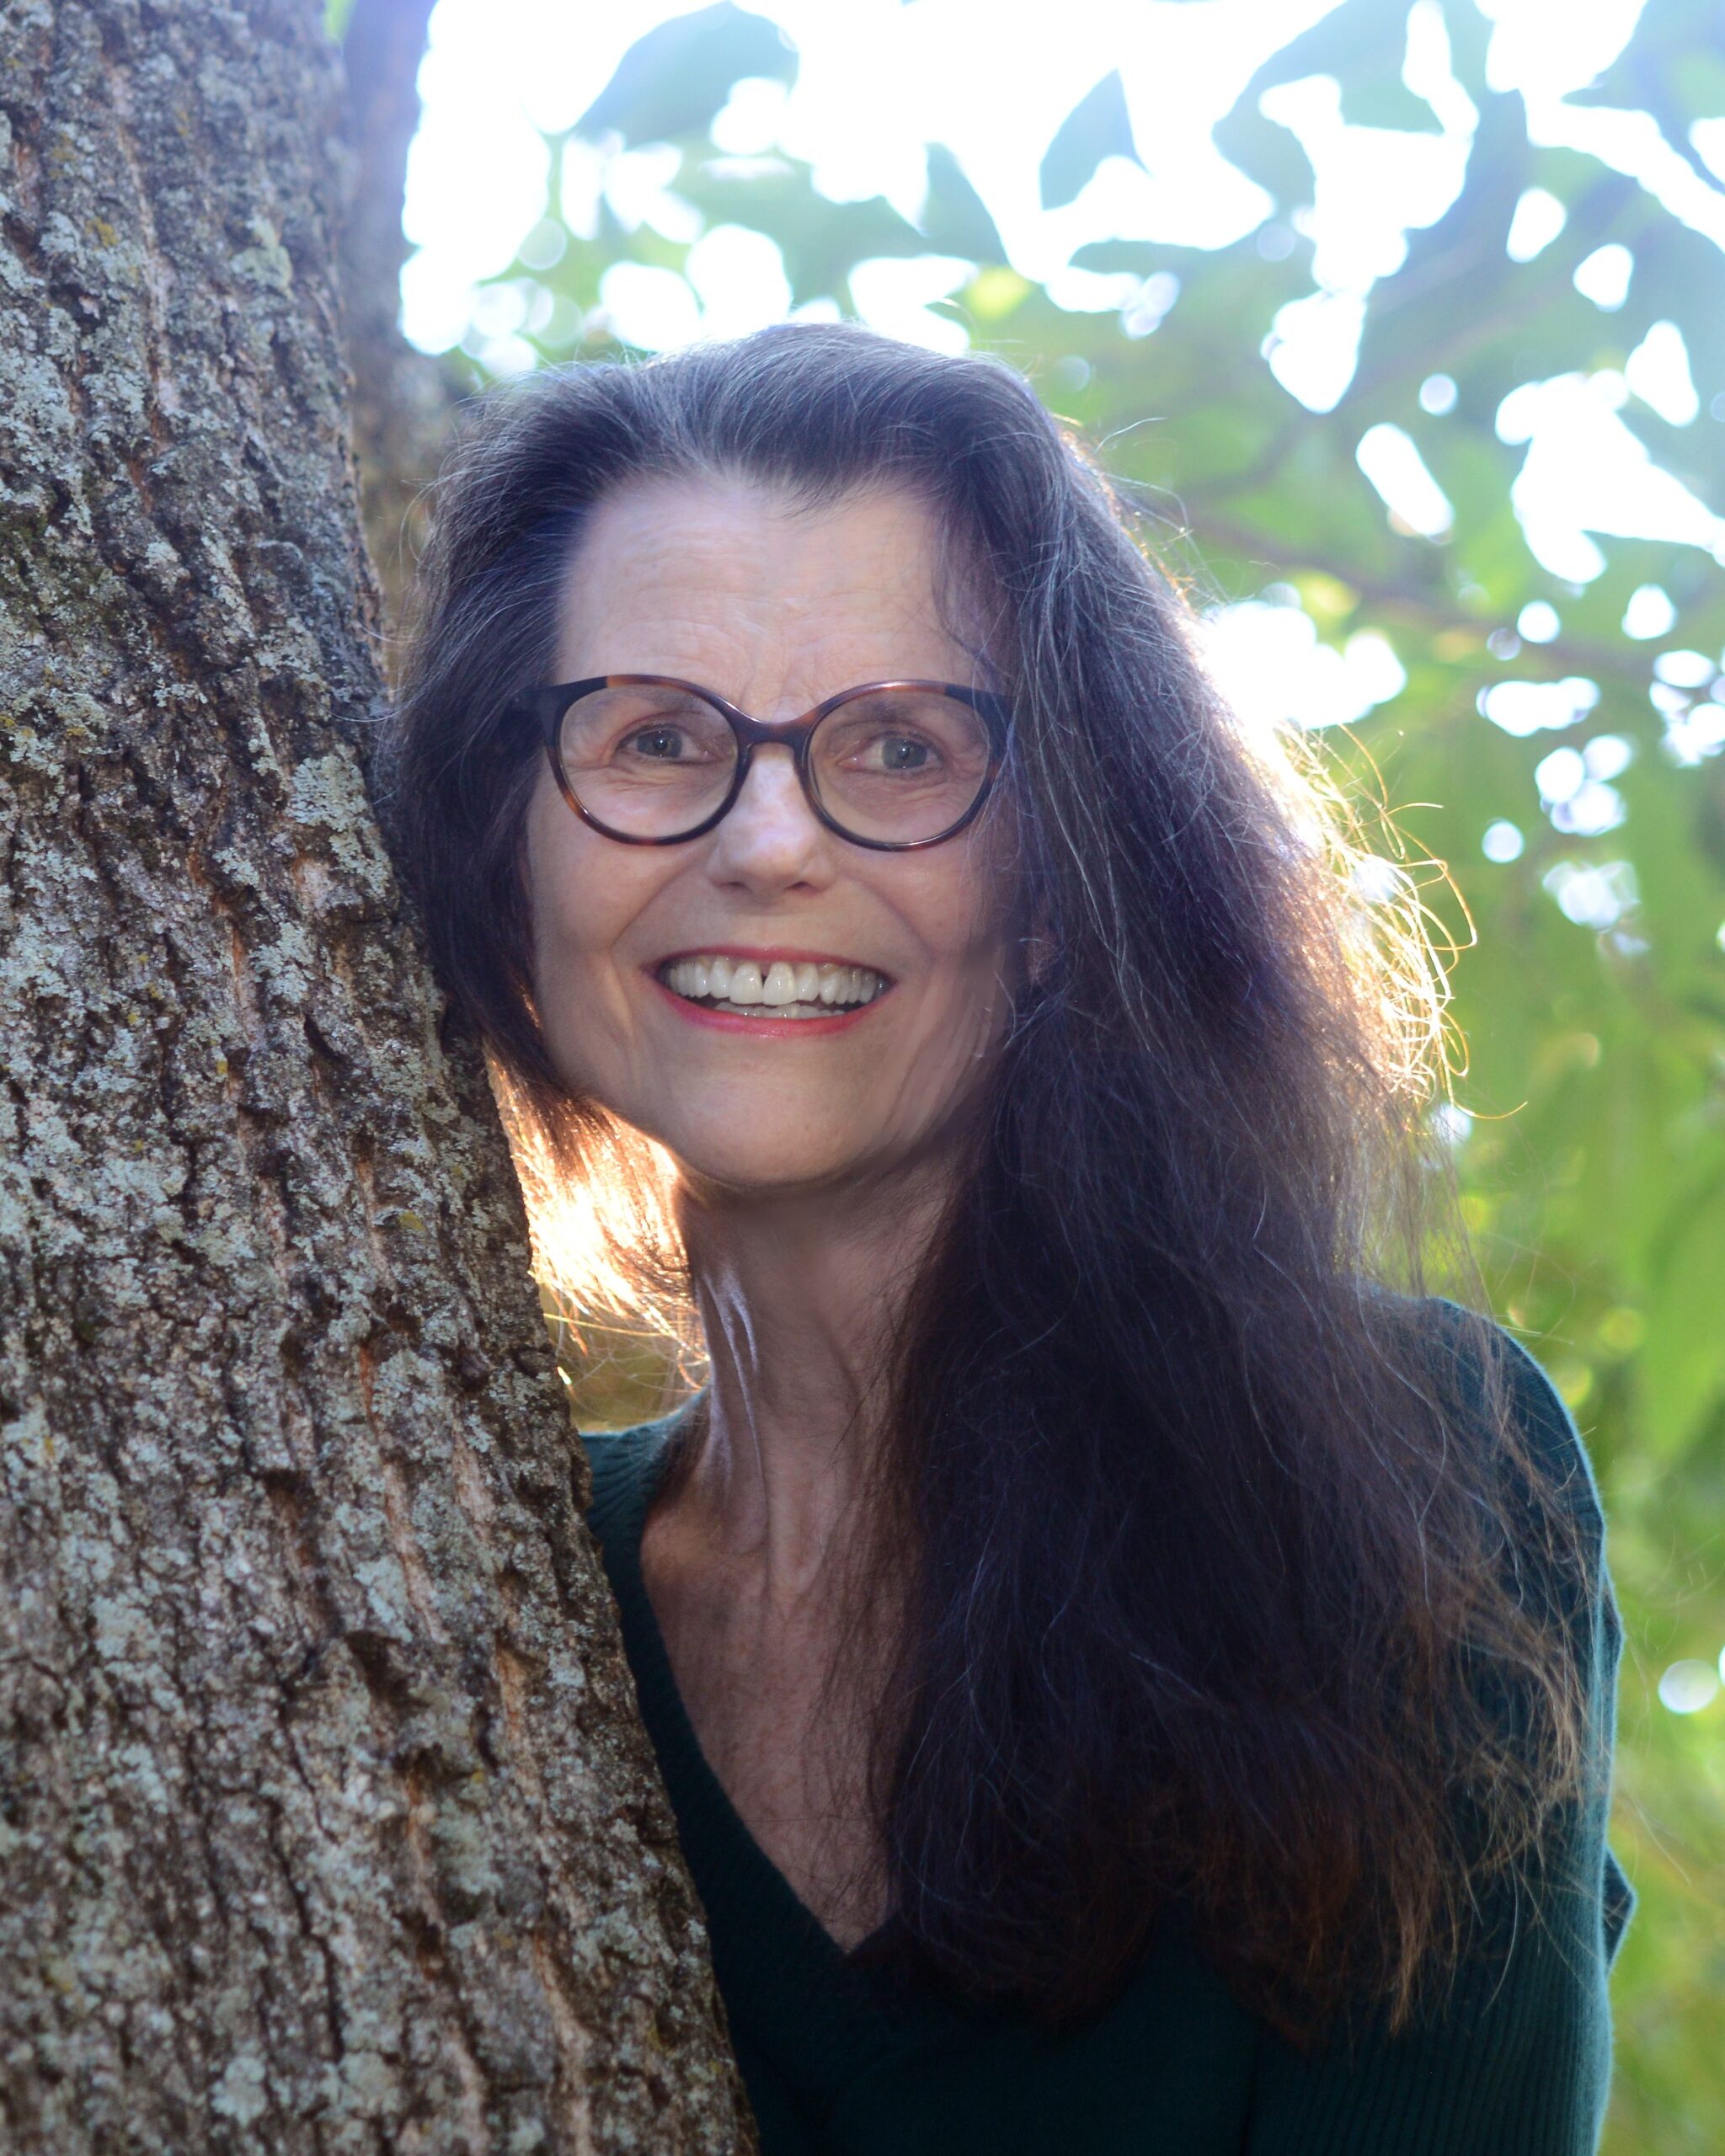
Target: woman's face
[[729, 585]]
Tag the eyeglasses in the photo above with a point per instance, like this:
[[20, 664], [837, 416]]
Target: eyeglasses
[[650, 760]]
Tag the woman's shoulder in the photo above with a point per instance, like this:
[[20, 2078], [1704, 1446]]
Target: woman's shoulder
[[1497, 1390], [1512, 2050], [1556, 1542]]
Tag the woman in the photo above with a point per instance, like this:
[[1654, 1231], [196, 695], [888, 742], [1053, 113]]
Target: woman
[[1131, 1675]]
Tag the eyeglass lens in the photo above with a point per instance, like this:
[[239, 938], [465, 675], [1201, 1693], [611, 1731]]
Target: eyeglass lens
[[895, 765]]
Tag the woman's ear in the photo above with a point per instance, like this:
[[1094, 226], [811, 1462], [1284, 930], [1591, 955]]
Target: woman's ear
[[1039, 954]]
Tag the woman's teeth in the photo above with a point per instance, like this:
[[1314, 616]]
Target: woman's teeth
[[804, 990]]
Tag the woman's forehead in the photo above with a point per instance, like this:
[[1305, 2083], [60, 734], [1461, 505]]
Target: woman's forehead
[[707, 561]]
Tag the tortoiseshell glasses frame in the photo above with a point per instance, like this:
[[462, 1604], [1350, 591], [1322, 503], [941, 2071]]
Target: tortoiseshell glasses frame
[[548, 706]]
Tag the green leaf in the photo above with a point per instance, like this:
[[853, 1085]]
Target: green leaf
[[1684, 1361], [674, 81], [955, 219], [1673, 67], [1265, 153], [819, 239], [1135, 258], [1362, 44], [1098, 126]]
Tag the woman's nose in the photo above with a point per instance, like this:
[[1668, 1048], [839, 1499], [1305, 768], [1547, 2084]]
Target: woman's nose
[[771, 838]]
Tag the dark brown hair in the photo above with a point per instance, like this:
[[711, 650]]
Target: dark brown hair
[[1233, 1576]]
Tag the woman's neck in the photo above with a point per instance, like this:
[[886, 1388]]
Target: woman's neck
[[800, 1295]]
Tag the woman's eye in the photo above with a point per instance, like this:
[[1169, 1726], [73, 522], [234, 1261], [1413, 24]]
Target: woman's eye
[[897, 753], [667, 745]]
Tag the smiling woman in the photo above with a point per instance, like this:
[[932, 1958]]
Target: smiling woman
[[730, 580], [1131, 1670]]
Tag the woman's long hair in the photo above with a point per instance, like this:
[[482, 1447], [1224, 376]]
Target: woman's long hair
[[1205, 1528]]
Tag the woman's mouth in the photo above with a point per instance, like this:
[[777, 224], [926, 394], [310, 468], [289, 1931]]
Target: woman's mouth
[[778, 989]]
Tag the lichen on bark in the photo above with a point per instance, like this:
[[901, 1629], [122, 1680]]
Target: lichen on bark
[[326, 1819]]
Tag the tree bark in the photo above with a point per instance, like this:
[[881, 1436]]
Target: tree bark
[[326, 1820]]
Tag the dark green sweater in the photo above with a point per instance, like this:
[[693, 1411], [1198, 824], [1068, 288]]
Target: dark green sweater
[[1516, 2064]]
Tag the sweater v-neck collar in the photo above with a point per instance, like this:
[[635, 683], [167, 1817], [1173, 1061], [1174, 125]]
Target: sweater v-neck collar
[[821, 2015]]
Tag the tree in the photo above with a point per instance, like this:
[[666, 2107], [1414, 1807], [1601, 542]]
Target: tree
[[401, 401], [326, 1821], [1558, 742]]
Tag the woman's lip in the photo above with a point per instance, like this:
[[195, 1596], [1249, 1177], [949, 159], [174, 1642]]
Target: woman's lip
[[765, 1027], [766, 955]]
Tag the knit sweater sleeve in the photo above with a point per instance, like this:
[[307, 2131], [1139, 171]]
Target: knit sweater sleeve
[[1516, 2059]]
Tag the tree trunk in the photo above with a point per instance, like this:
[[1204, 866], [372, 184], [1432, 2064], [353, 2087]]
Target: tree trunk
[[326, 1820], [403, 402]]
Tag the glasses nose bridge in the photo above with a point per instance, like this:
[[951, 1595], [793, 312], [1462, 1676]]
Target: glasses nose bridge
[[791, 734]]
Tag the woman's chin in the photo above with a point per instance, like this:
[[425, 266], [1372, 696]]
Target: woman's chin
[[736, 1173], [766, 1163]]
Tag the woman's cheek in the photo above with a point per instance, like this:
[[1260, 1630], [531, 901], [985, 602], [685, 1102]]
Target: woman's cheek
[[574, 1017]]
